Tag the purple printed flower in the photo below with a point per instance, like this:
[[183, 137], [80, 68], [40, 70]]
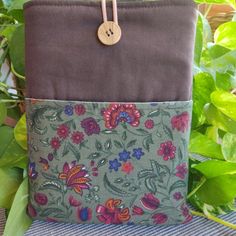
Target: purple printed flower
[[41, 198], [69, 110], [178, 196], [50, 157], [150, 202], [114, 165], [90, 126], [44, 163], [31, 170], [124, 156], [138, 153], [181, 170], [160, 218], [167, 150]]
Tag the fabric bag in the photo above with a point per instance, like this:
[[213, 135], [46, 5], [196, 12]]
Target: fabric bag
[[109, 110]]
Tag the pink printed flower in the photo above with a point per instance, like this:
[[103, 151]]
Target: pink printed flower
[[112, 212], [150, 202], [182, 170], [79, 109], [55, 143], [137, 211], [121, 113], [181, 122], [63, 131], [74, 202], [31, 210], [178, 196], [84, 214], [186, 213], [77, 137], [167, 150], [160, 218], [149, 124], [41, 198], [127, 167], [76, 177]]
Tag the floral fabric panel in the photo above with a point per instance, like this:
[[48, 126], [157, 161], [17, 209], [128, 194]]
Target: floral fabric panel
[[111, 163]]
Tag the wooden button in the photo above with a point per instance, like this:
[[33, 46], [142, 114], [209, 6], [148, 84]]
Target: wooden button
[[109, 33]]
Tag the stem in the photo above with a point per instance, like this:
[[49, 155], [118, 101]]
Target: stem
[[16, 74], [208, 10], [214, 218], [202, 181], [8, 101]]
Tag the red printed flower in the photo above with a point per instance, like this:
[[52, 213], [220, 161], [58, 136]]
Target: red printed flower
[[137, 211], [150, 202], [181, 122], [127, 167], [160, 218], [77, 137], [41, 198], [182, 170], [74, 202], [149, 124], [55, 143], [63, 131], [112, 212], [167, 150], [121, 113], [31, 210], [79, 109], [76, 177]]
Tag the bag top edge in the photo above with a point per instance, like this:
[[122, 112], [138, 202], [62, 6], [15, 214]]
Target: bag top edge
[[124, 5]]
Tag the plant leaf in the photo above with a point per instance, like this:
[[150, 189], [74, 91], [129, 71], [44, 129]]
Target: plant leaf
[[20, 132], [229, 147]]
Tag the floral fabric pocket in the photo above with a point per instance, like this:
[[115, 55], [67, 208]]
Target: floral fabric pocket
[[108, 126], [108, 163]]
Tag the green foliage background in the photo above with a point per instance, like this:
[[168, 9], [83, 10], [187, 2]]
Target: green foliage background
[[212, 182]]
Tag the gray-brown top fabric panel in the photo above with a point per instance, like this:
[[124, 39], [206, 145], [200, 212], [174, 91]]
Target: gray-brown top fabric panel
[[152, 62]]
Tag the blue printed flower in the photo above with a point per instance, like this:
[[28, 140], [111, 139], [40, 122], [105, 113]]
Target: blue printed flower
[[114, 165], [138, 153], [124, 156], [69, 110], [31, 170]]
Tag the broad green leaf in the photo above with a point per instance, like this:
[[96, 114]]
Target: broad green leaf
[[198, 40], [3, 112], [229, 147], [216, 51], [225, 35], [201, 144], [226, 81], [226, 62], [218, 119], [10, 179], [18, 221], [212, 133], [20, 132], [17, 50], [219, 190], [225, 102], [203, 86], [11, 154], [214, 168]]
